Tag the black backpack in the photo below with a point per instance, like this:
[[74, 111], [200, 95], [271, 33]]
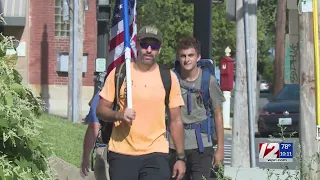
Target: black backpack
[[120, 74]]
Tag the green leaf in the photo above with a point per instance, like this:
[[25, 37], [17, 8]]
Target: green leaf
[[14, 121], [20, 131], [22, 163], [25, 113], [46, 152], [18, 88], [4, 123], [2, 52], [8, 99], [28, 175], [32, 145], [5, 78], [2, 113], [2, 174], [35, 169], [17, 76]]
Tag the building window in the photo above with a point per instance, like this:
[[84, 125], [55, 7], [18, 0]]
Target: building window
[[62, 27]]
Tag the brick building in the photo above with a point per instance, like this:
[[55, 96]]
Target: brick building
[[44, 40]]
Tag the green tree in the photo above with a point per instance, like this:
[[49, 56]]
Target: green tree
[[266, 37], [175, 19], [223, 32]]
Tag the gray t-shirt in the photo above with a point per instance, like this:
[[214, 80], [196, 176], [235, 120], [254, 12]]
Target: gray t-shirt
[[198, 112]]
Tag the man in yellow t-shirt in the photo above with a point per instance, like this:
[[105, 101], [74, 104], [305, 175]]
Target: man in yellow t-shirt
[[138, 147]]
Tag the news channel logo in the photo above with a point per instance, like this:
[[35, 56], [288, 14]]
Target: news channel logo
[[276, 152]]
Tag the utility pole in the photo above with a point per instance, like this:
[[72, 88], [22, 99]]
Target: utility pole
[[75, 61], [278, 75], [80, 56], [240, 127], [309, 165], [253, 13], [70, 63], [251, 29]]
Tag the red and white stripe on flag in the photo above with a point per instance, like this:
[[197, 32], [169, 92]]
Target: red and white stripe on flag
[[116, 45]]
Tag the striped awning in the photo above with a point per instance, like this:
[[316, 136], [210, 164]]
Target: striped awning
[[14, 12]]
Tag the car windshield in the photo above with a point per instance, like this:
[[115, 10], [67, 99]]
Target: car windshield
[[289, 92]]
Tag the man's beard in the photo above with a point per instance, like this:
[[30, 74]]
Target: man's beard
[[148, 62]]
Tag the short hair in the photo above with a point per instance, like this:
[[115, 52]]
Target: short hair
[[188, 42]]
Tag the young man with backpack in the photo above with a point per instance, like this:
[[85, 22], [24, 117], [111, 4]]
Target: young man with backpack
[[138, 148], [202, 115]]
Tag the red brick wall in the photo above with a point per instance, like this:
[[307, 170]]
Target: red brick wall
[[44, 46]]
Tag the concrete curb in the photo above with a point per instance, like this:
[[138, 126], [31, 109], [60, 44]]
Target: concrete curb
[[65, 171]]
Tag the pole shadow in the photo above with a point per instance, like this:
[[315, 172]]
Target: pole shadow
[[45, 68]]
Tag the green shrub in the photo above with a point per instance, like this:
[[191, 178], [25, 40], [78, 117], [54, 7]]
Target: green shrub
[[22, 153]]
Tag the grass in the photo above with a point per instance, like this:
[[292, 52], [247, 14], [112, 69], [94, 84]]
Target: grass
[[65, 137]]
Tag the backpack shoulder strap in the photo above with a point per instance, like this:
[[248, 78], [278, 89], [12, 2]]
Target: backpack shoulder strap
[[120, 74], [166, 80], [176, 72], [205, 86]]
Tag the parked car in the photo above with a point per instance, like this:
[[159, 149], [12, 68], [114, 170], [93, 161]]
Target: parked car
[[264, 86], [282, 110]]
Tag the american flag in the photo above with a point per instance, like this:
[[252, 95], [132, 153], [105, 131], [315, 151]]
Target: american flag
[[116, 44]]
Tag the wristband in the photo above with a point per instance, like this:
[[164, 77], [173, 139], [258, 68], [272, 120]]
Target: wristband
[[184, 159]]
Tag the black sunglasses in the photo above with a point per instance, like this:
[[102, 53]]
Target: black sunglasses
[[153, 46]]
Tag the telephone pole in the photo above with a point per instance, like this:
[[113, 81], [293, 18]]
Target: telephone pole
[[75, 61], [240, 127], [253, 28], [278, 75], [70, 63], [250, 7], [80, 57], [309, 163]]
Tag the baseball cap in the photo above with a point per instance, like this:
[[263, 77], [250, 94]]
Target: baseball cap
[[149, 32]]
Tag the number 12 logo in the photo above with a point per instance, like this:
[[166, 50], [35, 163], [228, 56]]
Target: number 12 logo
[[269, 150]]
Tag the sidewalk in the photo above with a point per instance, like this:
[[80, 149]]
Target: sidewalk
[[260, 174], [66, 171]]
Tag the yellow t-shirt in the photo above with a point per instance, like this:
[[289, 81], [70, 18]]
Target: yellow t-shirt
[[147, 133]]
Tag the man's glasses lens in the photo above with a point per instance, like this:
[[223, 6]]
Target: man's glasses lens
[[152, 45]]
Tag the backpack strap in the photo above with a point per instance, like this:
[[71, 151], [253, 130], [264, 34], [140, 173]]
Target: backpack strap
[[189, 90], [120, 74], [204, 126], [166, 81], [206, 98], [205, 87]]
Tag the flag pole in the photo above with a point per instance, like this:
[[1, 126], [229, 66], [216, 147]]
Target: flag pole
[[127, 51]]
